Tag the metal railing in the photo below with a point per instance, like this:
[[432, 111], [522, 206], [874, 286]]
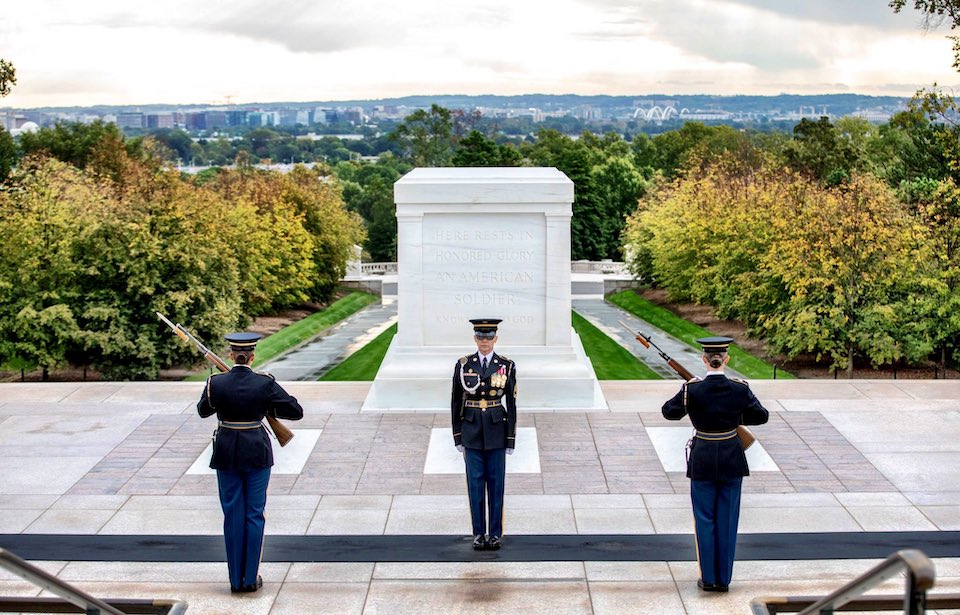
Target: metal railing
[[920, 576], [71, 599], [610, 267]]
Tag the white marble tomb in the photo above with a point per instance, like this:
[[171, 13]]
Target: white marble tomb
[[484, 243]]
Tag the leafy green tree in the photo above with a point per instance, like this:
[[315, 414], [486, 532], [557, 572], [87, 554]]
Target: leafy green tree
[[936, 205], [179, 143], [259, 142], [477, 150], [40, 218], [316, 196], [841, 272], [608, 186], [98, 145], [8, 154], [821, 150], [849, 258], [368, 190], [427, 137], [8, 77]]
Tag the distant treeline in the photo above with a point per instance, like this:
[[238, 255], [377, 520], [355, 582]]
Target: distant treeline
[[835, 238]]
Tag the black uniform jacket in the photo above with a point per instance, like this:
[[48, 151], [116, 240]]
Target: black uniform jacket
[[243, 395], [716, 404], [494, 426]]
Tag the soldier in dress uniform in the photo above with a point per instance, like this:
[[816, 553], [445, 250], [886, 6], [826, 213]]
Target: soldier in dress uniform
[[242, 455], [483, 409], [716, 463]]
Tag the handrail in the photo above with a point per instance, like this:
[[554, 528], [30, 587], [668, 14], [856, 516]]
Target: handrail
[[69, 594], [920, 577], [45, 580]]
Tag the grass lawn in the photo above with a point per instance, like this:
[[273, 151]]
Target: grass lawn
[[611, 361], [364, 363], [295, 334], [684, 330]]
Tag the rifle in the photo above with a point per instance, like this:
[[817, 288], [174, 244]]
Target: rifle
[[647, 343], [281, 431], [746, 436]]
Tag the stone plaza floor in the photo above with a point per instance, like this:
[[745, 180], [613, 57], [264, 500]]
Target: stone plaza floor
[[97, 475]]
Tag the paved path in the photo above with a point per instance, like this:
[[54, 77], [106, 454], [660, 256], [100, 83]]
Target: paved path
[[112, 463], [310, 360], [606, 317]]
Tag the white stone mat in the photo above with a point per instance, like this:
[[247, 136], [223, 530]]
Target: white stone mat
[[444, 458], [288, 459], [670, 444]]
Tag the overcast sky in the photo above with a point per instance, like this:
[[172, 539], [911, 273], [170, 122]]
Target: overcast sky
[[86, 52]]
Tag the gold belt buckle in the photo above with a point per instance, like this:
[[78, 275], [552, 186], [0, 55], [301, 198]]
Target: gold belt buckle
[[483, 405]]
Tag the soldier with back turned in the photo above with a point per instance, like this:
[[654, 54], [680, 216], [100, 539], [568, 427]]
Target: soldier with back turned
[[717, 463], [242, 454]]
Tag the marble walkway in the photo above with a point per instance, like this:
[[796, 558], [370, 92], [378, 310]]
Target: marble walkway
[[104, 461]]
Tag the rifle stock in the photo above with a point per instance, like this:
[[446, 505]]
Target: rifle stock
[[281, 431], [681, 370]]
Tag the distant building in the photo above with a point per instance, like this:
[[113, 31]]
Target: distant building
[[215, 119], [873, 115], [130, 119], [160, 120], [236, 118], [195, 120]]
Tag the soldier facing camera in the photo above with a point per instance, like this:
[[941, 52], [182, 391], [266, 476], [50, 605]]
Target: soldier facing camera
[[483, 409]]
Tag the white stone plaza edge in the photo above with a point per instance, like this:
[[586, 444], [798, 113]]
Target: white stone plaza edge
[[484, 243]]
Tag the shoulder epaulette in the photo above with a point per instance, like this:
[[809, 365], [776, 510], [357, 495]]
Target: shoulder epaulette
[[463, 360], [267, 374], [740, 381], [694, 379], [505, 359]]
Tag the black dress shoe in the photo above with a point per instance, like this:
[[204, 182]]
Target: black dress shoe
[[479, 542], [707, 587], [247, 589], [721, 588], [494, 543]]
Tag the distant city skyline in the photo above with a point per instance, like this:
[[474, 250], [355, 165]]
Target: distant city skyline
[[113, 52]]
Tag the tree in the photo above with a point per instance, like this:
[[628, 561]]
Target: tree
[[850, 258], [368, 190], [477, 150], [608, 185], [936, 204], [8, 77], [936, 12], [821, 150], [8, 154], [179, 143], [426, 137], [98, 145], [841, 272]]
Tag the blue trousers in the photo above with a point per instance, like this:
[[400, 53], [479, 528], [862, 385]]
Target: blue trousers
[[243, 497], [485, 480], [716, 513]]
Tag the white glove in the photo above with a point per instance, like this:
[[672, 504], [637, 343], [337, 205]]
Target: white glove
[[509, 451], [460, 447]]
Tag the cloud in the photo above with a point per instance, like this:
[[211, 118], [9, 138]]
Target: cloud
[[841, 12], [300, 26]]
